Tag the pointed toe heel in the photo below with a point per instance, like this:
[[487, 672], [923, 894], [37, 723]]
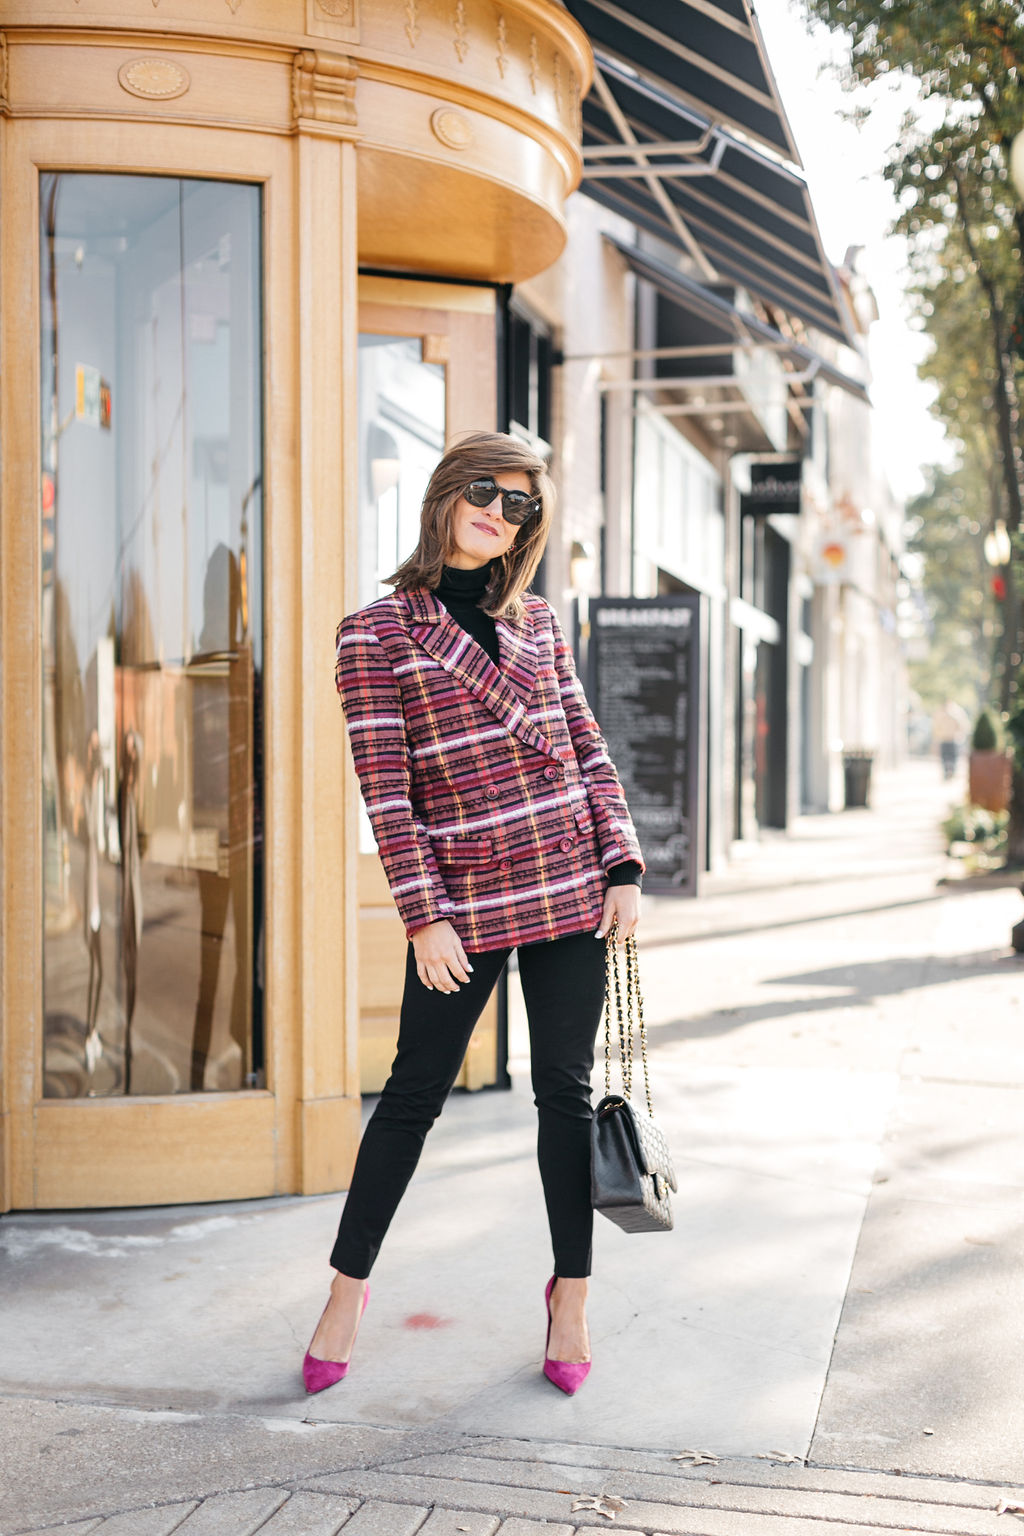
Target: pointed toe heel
[[318, 1375], [567, 1375]]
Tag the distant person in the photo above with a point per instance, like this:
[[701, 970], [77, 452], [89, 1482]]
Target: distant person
[[500, 827], [950, 727]]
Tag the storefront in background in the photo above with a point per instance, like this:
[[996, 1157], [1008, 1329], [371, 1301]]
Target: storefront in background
[[249, 278]]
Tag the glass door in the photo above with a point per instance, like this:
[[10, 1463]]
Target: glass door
[[427, 371], [150, 418]]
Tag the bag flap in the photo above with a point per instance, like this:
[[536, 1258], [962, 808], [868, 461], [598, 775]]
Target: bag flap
[[615, 1104], [652, 1148]]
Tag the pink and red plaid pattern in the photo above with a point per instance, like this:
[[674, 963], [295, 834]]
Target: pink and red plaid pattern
[[490, 790]]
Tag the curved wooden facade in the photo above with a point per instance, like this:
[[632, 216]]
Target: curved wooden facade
[[436, 137]]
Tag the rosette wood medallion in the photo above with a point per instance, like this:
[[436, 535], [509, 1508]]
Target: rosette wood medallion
[[465, 113]]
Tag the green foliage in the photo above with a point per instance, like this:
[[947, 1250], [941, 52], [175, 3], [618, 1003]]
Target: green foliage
[[962, 363], [976, 835], [964, 221], [966, 53], [950, 169], [946, 526], [986, 732]]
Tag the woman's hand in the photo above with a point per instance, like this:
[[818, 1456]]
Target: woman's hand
[[440, 958], [621, 907]]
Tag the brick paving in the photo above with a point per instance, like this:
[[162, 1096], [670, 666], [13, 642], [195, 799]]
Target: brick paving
[[516, 1489]]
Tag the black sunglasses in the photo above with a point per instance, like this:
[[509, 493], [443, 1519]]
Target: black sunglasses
[[516, 506]]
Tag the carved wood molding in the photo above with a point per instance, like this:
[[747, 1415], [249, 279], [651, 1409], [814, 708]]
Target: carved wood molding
[[155, 78], [4, 104], [324, 92]]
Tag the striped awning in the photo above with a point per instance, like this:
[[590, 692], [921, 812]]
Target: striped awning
[[684, 134], [708, 53], [728, 324]]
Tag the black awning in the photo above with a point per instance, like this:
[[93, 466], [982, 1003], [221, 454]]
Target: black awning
[[734, 323], [682, 163], [708, 53]]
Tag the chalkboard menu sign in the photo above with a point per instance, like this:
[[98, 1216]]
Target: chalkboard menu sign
[[644, 671]]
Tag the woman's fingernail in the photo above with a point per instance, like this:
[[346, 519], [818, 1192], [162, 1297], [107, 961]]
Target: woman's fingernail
[[468, 966]]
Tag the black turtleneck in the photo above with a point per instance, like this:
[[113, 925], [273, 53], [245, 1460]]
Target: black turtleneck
[[462, 592]]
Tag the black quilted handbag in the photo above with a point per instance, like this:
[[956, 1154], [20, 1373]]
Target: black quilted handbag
[[631, 1170]]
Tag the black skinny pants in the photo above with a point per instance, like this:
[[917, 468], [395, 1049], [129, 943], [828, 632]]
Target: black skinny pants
[[563, 987]]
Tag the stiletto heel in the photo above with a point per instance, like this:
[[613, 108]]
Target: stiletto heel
[[567, 1375], [318, 1374]]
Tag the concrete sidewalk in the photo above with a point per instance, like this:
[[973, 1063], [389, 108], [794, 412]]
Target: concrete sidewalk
[[838, 1058]]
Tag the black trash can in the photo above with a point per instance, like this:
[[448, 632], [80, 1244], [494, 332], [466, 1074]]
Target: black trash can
[[857, 772]]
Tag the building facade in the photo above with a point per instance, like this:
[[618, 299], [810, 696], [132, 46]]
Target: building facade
[[250, 264], [259, 261]]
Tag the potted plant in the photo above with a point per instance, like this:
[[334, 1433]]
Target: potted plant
[[989, 770]]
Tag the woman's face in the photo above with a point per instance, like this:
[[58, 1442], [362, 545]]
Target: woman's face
[[481, 533]]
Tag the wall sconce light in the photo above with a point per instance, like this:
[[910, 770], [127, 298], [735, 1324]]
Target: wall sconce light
[[582, 561], [383, 458]]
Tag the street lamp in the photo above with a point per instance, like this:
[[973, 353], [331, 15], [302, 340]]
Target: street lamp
[[997, 546]]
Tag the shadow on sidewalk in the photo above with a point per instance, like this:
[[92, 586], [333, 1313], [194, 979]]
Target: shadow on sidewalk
[[667, 940], [863, 984]]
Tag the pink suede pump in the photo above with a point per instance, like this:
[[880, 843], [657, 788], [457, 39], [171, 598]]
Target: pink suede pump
[[318, 1374], [567, 1375]]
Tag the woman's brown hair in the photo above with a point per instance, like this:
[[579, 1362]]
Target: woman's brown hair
[[473, 457]]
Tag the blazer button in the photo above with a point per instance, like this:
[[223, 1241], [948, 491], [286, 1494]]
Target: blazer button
[[492, 792], [567, 844], [552, 773], [504, 863]]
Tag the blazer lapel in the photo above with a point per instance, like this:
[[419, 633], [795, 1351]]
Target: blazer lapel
[[503, 692]]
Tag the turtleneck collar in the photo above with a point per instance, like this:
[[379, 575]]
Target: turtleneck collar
[[464, 586]]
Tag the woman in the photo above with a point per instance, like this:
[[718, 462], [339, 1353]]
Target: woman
[[501, 824]]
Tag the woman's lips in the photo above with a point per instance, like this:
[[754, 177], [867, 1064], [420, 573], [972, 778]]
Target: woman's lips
[[486, 528]]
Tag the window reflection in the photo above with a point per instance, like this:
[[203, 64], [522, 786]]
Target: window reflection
[[401, 438], [152, 634]]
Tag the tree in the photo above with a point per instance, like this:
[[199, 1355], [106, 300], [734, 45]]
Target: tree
[[960, 366], [946, 527], [964, 221], [961, 214]]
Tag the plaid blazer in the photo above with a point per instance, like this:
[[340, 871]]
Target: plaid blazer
[[490, 790]]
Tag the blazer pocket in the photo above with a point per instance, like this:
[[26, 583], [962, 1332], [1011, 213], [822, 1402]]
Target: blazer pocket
[[583, 817], [463, 851]]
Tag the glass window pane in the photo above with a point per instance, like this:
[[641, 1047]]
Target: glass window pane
[[401, 438], [151, 419]]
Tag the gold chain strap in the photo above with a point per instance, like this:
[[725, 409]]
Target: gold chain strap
[[609, 992], [624, 1018], [613, 992]]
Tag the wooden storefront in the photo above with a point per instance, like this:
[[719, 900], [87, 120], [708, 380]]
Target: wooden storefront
[[249, 252]]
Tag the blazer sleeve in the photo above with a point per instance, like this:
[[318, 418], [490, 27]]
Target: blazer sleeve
[[372, 701], [615, 831]]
